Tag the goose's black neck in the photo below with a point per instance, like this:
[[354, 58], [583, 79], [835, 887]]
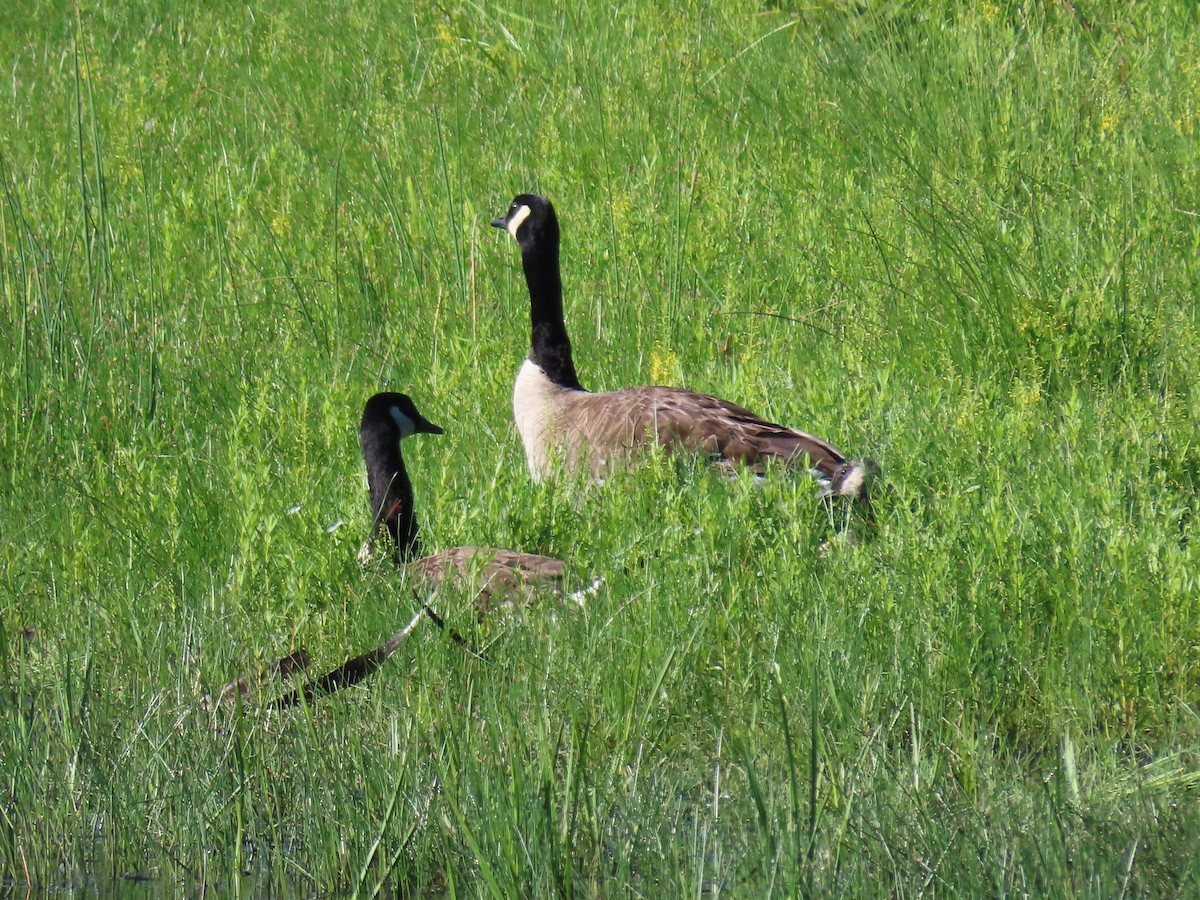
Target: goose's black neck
[[549, 347], [391, 491]]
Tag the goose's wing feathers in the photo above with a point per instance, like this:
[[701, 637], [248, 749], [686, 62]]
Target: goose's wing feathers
[[619, 421], [500, 574], [458, 562]]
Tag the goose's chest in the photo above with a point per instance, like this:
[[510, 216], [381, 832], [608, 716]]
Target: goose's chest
[[534, 401]]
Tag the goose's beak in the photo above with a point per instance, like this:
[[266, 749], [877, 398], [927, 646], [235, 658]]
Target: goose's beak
[[498, 222], [424, 426]]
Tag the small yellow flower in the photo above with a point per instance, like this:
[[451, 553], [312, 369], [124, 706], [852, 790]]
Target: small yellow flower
[[1108, 123], [127, 172], [86, 68], [663, 366], [1026, 394], [990, 11]]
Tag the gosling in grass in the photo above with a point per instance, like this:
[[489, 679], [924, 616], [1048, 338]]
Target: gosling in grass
[[503, 575], [560, 422]]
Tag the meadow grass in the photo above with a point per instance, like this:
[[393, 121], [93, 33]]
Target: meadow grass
[[961, 238]]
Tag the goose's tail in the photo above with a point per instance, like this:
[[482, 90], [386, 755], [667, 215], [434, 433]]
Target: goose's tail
[[852, 479]]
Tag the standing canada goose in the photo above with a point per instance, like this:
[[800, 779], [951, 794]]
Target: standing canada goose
[[558, 419], [387, 419]]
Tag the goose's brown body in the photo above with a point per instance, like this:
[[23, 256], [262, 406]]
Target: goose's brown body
[[599, 429], [499, 574]]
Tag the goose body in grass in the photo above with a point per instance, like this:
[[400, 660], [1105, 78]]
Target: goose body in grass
[[502, 575], [562, 424]]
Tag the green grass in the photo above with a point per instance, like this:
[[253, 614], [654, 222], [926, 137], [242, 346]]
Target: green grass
[[963, 240]]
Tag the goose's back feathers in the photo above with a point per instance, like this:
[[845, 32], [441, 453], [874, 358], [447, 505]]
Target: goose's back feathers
[[622, 421], [502, 575], [598, 429]]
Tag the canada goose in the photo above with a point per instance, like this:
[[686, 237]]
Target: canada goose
[[387, 419], [557, 418]]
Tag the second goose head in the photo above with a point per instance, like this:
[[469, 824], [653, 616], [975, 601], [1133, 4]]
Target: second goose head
[[387, 419], [531, 221]]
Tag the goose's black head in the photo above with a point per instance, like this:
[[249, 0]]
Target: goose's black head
[[396, 416], [531, 220], [387, 419]]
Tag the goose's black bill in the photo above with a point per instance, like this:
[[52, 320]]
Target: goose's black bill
[[498, 222], [424, 426]]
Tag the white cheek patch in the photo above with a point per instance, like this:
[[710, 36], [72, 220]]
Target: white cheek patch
[[515, 220], [407, 426]]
